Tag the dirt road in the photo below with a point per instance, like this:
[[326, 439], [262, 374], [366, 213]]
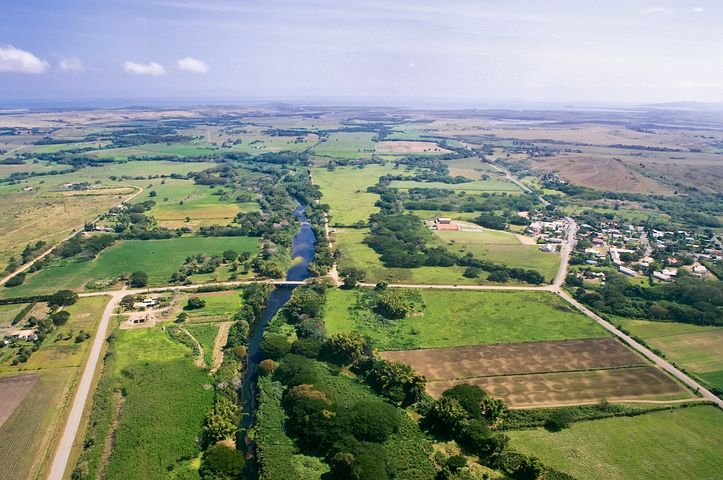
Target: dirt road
[[62, 453]]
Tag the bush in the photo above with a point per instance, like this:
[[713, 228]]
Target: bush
[[499, 276], [476, 402], [275, 346], [221, 463], [559, 420], [456, 462], [16, 280], [393, 303], [60, 318], [138, 279], [346, 348], [472, 272], [308, 347], [194, 303]]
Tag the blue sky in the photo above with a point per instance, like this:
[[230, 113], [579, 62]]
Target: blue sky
[[476, 52]]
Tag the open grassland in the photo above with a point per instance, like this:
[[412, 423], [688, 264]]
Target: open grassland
[[696, 348], [471, 167], [158, 258], [491, 185], [682, 443], [355, 254], [456, 318], [345, 190], [409, 147], [178, 199], [29, 434], [205, 333], [346, 145], [164, 405], [27, 217], [460, 363], [8, 314], [572, 388], [220, 306], [504, 248]]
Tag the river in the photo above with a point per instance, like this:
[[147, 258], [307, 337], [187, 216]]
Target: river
[[302, 251]]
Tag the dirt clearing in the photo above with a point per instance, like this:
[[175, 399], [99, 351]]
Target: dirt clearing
[[13, 391]]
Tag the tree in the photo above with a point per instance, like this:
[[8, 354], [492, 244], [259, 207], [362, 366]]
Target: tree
[[296, 370], [397, 381], [346, 348], [60, 318], [139, 279], [519, 466], [558, 420], [374, 421], [472, 272], [275, 346], [152, 193], [229, 256], [447, 416], [194, 303], [476, 402], [222, 421], [62, 298], [268, 367], [499, 276], [221, 462], [352, 276]]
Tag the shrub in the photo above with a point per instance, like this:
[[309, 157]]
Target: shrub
[[499, 276], [195, 303], [308, 347], [16, 280], [559, 420], [393, 303], [60, 318], [346, 348], [62, 298], [374, 421]]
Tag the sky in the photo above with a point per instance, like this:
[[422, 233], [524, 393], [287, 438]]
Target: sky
[[404, 52]]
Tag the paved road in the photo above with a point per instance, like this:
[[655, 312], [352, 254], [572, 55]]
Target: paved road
[[74, 233], [62, 453]]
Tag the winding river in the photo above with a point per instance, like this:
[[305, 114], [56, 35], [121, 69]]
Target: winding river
[[302, 251]]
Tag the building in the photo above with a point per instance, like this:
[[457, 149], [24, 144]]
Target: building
[[661, 276], [627, 271], [444, 220], [549, 248], [700, 269], [28, 335]]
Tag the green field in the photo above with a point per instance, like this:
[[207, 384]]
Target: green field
[[502, 247], [456, 317], [178, 199], [695, 348], [347, 145], [683, 443], [158, 258], [9, 312], [475, 186], [164, 405], [205, 333], [220, 306], [345, 190], [355, 254]]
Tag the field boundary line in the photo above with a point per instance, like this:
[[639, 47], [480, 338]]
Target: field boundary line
[[546, 372]]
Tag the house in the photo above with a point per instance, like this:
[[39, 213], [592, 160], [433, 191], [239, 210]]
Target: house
[[444, 220], [549, 248], [146, 303], [27, 335], [661, 276], [27, 189], [700, 269], [671, 261], [627, 271], [671, 272], [615, 257]]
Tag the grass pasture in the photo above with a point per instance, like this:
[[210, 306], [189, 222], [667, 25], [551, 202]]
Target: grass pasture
[[164, 405], [504, 248], [695, 348], [220, 306], [409, 147], [205, 333], [355, 254], [682, 443], [453, 318], [158, 258], [347, 145], [344, 189]]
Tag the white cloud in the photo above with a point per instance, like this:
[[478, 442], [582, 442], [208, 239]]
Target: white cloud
[[193, 65], [71, 64], [20, 61], [658, 10], [696, 9], [154, 69]]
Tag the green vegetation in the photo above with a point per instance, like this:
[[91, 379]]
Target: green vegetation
[[346, 145], [683, 443], [455, 318], [156, 379], [220, 306], [692, 347], [205, 333], [492, 185], [345, 190], [159, 258]]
